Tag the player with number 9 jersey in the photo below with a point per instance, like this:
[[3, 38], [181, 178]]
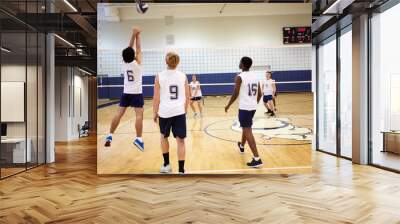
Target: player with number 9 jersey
[[170, 102], [172, 93]]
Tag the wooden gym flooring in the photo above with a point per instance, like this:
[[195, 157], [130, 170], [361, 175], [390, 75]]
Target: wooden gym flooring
[[211, 143], [70, 191]]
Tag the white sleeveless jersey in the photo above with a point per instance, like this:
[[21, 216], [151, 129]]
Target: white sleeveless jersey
[[193, 87], [132, 78], [172, 93], [248, 90], [267, 86]]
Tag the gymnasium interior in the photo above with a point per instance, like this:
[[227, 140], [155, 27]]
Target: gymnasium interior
[[331, 154]]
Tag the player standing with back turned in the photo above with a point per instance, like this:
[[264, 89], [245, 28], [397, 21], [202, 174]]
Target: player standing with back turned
[[247, 88], [170, 103]]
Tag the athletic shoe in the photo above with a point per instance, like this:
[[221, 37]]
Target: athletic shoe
[[272, 114], [108, 141], [139, 144], [181, 173], [165, 169], [241, 147], [254, 163]]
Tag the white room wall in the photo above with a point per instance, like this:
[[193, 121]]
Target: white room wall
[[68, 82]]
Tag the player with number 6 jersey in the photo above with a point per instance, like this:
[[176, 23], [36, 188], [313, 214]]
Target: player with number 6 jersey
[[170, 102], [132, 95]]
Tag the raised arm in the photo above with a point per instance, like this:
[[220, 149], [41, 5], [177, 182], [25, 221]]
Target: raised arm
[[136, 38], [156, 99], [138, 49], [238, 82]]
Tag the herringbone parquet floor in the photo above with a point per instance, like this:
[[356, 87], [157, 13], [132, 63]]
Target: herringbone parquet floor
[[69, 191]]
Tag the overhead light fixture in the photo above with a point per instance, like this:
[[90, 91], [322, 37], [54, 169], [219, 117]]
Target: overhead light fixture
[[337, 7], [84, 71], [70, 5], [64, 40], [5, 50]]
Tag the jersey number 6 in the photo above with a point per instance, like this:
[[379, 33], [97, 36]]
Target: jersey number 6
[[129, 73], [174, 92]]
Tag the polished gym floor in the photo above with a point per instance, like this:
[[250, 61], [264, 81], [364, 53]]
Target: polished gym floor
[[284, 142]]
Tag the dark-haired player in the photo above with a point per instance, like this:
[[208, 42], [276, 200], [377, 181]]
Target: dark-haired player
[[269, 90], [248, 89], [132, 96]]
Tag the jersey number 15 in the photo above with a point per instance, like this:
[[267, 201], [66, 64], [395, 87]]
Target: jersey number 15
[[252, 89]]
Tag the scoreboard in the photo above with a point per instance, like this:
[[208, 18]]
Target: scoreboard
[[296, 35]]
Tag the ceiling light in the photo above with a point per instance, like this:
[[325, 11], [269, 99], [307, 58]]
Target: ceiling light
[[70, 5], [337, 7], [84, 71], [5, 50], [65, 41]]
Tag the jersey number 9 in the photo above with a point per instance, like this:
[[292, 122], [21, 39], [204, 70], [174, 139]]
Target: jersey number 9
[[173, 90]]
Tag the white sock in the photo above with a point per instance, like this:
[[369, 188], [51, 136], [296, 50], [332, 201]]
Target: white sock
[[139, 138], [256, 158]]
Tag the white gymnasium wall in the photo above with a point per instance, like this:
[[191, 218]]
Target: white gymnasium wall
[[215, 32], [206, 45]]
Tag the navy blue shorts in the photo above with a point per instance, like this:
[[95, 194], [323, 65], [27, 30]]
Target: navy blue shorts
[[131, 100], [177, 124], [267, 98], [246, 118]]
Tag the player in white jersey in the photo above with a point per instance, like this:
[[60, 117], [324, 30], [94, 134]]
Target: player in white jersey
[[196, 95], [132, 95], [170, 102], [247, 88], [269, 90]]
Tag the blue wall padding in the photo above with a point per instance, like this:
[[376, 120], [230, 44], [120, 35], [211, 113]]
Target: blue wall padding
[[279, 76]]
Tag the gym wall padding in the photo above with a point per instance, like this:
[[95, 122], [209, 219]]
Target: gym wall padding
[[107, 92]]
